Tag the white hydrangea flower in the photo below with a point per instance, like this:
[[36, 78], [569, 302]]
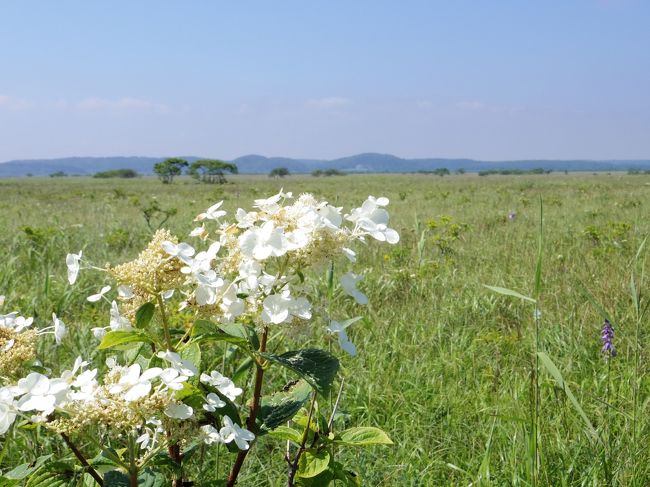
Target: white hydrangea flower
[[223, 384], [210, 434], [7, 409], [212, 213], [263, 242], [213, 402], [184, 367], [349, 282], [232, 431], [72, 262], [179, 411], [181, 251], [93, 298]]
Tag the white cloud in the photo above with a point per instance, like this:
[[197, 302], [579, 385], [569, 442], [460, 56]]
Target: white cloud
[[479, 106], [14, 104], [329, 102], [120, 105]]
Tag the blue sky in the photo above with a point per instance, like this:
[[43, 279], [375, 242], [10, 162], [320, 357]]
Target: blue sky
[[324, 79]]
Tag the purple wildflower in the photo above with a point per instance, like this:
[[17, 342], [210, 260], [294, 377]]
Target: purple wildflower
[[512, 216], [607, 336]]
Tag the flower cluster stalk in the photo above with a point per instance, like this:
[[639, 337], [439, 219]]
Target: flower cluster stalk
[[250, 422]]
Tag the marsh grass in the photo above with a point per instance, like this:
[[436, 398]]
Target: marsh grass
[[444, 364]]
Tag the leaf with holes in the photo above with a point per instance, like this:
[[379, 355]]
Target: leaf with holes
[[317, 367], [282, 406]]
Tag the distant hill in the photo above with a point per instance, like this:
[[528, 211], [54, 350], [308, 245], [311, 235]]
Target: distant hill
[[368, 162]]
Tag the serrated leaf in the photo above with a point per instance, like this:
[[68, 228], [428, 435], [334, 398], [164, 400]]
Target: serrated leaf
[[312, 463], [144, 314], [115, 478], [510, 292], [121, 337], [282, 406], [150, 478], [317, 367], [363, 435], [286, 433], [348, 477]]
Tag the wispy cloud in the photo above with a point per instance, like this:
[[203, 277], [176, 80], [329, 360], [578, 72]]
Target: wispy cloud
[[125, 104], [329, 102], [14, 104], [479, 106]]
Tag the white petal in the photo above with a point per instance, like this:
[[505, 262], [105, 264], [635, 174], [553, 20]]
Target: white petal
[[179, 411]]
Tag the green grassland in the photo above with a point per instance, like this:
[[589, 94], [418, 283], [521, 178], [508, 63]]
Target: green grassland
[[444, 364]]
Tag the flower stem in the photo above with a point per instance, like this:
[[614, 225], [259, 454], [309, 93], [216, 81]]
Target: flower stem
[[165, 323], [250, 422], [77, 453], [293, 468]]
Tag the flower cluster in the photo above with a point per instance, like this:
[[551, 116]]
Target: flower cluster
[[253, 266], [18, 340], [251, 272]]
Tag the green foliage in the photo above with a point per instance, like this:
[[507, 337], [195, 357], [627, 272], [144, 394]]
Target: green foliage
[[516, 172], [211, 171], [168, 169], [363, 436], [116, 173], [154, 214], [58, 174], [317, 367], [116, 338], [283, 406], [445, 232], [327, 172], [279, 172]]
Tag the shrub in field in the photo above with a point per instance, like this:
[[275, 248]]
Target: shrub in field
[[179, 321], [169, 168], [116, 173], [211, 171]]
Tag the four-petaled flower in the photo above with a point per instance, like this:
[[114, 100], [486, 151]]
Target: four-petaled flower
[[72, 261], [232, 431]]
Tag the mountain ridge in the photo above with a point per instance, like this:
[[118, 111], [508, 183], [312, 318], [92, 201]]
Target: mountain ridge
[[368, 162]]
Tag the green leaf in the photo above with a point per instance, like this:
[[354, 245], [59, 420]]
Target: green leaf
[[509, 292], [317, 367], [557, 375], [115, 478], [364, 435], [282, 406], [286, 433], [25, 469], [348, 477], [237, 334], [312, 462], [52, 474], [151, 478], [144, 314], [192, 353], [241, 331], [121, 337]]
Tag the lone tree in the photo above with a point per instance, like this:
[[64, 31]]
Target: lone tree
[[167, 169], [211, 170], [279, 172]]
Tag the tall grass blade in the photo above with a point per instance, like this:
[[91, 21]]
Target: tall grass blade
[[557, 375], [510, 292]]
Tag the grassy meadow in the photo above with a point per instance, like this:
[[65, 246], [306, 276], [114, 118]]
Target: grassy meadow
[[445, 364]]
